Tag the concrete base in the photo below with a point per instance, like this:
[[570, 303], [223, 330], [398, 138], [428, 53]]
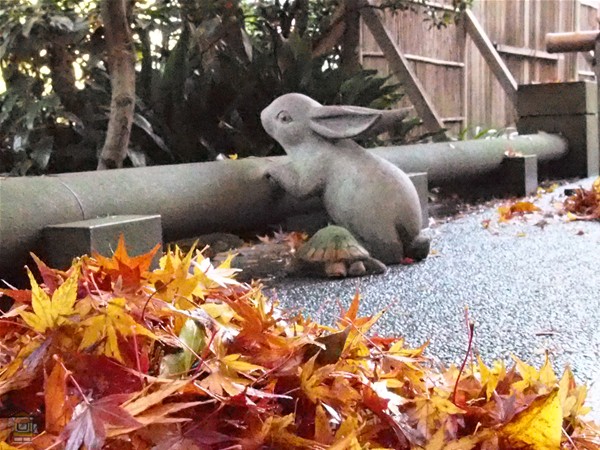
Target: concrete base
[[519, 175], [66, 241], [569, 109], [581, 131]]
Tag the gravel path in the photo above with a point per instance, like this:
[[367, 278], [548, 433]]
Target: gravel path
[[529, 289]]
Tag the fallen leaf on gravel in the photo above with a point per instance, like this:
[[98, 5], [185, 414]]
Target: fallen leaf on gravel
[[519, 208]]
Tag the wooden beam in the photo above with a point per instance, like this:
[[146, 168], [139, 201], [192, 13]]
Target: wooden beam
[[525, 52], [419, 58], [453, 119], [401, 68], [586, 73], [491, 56], [434, 61], [333, 34]]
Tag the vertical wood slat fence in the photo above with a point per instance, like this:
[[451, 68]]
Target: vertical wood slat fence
[[448, 63]]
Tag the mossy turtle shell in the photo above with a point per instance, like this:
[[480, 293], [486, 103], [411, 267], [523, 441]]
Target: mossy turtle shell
[[331, 244]]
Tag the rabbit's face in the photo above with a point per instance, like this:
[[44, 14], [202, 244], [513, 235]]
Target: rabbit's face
[[286, 119]]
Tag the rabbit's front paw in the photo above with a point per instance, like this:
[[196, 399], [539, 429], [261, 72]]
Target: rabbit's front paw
[[276, 189]]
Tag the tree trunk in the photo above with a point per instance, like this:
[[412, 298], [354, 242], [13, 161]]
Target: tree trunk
[[121, 66], [350, 60]]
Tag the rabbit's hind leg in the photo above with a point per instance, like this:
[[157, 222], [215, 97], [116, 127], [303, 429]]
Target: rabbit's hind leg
[[419, 247], [386, 252]]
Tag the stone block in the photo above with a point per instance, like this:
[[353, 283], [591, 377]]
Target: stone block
[[581, 132], [519, 175], [577, 97], [421, 183], [63, 242]]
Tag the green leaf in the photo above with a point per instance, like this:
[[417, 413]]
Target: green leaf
[[193, 339]]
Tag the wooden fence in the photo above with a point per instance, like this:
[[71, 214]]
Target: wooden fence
[[460, 84]]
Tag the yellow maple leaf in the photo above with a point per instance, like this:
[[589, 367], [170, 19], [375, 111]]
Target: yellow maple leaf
[[572, 397], [173, 281], [596, 187], [491, 376], [539, 426], [543, 380], [212, 277], [227, 373], [312, 380], [105, 328], [51, 312], [280, 436], [5, 446]]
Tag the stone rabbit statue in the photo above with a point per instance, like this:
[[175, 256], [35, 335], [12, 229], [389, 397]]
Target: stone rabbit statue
[[372, 198]]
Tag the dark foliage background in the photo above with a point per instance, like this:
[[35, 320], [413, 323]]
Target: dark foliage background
[[205, 70]]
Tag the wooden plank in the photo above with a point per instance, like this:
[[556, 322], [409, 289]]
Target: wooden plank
[[423, 59], [401, 68], [453, 119], [491, 56], [525, 52], [434, 61]]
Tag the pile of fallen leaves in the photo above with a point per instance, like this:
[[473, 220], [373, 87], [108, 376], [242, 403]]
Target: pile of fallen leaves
[[584, 204], [111, 355]]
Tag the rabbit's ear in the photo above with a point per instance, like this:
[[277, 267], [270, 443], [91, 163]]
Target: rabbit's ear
[[342, 122]]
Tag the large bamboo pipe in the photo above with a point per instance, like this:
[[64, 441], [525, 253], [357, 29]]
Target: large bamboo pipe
[[214, 196]]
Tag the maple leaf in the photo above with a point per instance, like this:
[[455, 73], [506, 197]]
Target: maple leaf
[[192, 338], [26, 365], [519, 208], [211, 276], [58, 410], [543, 380], [539, 426], [105, 328], [51, 312], [312, 380], [490, 377], [227, 372], [280, 435], [323, 429], [329, 348], [90, 420], [173, 281], [121, 258], [128, 269], [52, 278], [433, 411], [18, 295], [572, 398]]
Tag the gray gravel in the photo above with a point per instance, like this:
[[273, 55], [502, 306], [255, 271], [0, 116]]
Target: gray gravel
[[529, 289]]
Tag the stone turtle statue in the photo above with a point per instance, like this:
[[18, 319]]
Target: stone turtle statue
[[372, 198], [334, 252]]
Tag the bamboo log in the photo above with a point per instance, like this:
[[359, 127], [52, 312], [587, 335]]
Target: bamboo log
[[579, 41], [216, 196]]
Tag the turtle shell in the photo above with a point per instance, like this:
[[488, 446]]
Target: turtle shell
[[330, 244]]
